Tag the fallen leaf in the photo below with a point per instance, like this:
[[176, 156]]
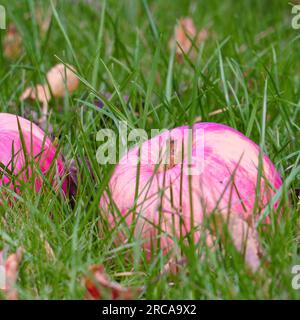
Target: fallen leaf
[[49, 250], [59, 80], [33, 116], [99, 286], [43, 19], [263, 34], [40, 93], [184, 36], [174, 265], [260, 36], [249, 78], [215, 112], [12, 43], [184, 33], [11, 273], [62, 79], [202, 36]]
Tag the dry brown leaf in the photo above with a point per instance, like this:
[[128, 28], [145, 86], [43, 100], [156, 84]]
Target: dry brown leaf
[[202, 36], [61, 79], [249, 78], [174, 264], [99, 286], [40, 93], [11, 272], [185, 34], [12, 43], [43, 19], [263, 34], [260, 36], [49, 250], [213, 113]]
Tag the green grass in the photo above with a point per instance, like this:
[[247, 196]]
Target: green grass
[[124, 51]]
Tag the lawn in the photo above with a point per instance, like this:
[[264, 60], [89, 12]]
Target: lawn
[[244, 75]]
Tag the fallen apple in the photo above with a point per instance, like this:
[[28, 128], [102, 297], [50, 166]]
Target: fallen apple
[[24, 148], [167, 198]]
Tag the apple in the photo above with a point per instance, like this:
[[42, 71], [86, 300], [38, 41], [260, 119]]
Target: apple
[[17, 134], [168, 184]]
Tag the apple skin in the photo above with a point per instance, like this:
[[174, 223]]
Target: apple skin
[[225, 184], [38, 147]]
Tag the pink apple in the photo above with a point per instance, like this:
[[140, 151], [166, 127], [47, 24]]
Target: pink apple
[[224, 179], [38, 148]]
